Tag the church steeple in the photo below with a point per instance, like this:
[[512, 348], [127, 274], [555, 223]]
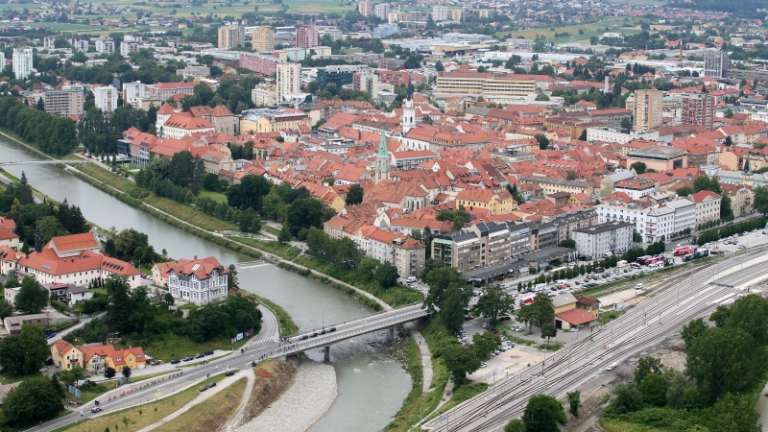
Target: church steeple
[[408, 119], [382, 160]]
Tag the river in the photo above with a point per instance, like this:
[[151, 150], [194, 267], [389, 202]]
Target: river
[[371, 384]]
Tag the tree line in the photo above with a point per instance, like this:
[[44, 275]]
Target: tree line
[[53, 135], [725, 368], [137, 318], [37, 223]]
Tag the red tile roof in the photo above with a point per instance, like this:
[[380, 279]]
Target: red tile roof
[[577, 317], [74, 243]]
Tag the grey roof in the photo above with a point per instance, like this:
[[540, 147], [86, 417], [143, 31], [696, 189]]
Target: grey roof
[[604, 227], [657, 152]]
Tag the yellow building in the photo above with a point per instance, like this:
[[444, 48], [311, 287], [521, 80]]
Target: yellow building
[[262, 39], [266, 120], [495, 202], [65, 356]]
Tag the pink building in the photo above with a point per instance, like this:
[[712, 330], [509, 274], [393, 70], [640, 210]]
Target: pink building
[[307, 37]]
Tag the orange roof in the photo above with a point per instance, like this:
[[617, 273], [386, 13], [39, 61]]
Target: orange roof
[[577, 317], [165, 109], [7, 229], [703, 195], [61, 346], [184, 121], [46, 261], [200, 268], [74, 242]]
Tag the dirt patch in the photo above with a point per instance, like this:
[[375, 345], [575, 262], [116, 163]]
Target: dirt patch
[[272, 379]]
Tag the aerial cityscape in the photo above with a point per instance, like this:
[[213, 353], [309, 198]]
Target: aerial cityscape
[[382, 215]]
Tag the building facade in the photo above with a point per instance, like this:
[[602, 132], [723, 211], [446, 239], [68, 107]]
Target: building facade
[[598, 241], [23, 62]]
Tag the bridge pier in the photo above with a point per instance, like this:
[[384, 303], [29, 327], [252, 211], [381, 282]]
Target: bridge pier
[[391, 334], [327, 354]]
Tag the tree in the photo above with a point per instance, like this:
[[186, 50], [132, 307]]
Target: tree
[[543, 414], [627, 398], [494, 303], [305, 213], [704, 182], [692, 330], [724, 360], [639, 167], [72, 376], [626, 125], [654, 389], [647, 366], [25, 353], [109, 372], [460, 361], [733, 413], [32, 297], [543, 141], [684, 191], [34, 400], [750, 314], [5, 309], [574, 402], [485, 344], [355, 195], [386, 275], [448, 296], [515, 425], [761, 199], [126, 372], [439, 66]]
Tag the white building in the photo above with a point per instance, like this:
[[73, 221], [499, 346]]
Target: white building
[[197, 281], [288, 80], [105, 98], [23, 59], [685, 214], [652, 223], [707, 206], [134, 92], [264, 95], [105, 45], [598, 241]]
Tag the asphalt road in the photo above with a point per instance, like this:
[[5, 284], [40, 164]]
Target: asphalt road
[[639, 329], [257, 350]]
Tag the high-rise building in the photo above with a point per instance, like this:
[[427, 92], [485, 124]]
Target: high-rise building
[[2, 61], [23, 59], [647, 110], [716, 64], [230, 36], [105, 45], [381, 11], [364, 7], [440, 13], [307, 36], [287, 80], [105, 98], [699, 110], [262, 39], [64, 102]]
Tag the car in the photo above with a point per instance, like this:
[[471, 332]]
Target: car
[[175, 361], [304, 337], [230, 372], [332, 329], [96, 409]]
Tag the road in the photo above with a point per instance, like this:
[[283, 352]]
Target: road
[[639, 329], [263, 348], [78, 326]]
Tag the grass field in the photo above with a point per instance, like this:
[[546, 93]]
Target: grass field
[[133, 419], [167, 347], [580, 32], [211, 414]]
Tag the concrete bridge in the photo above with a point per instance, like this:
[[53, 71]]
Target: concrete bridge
[[44, 162], [331, 334]]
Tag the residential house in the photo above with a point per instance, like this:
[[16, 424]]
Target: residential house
[[196, 281], [707, 206]]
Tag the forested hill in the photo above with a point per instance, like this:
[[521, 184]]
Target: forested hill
[[745, 8]]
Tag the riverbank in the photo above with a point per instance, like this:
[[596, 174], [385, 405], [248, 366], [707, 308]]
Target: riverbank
[[309, 396]]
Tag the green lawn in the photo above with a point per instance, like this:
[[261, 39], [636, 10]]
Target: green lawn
[[609, 24], [612, 425], [136, 418], [210, 415], [167, 347], [418, 405], [216, 196]]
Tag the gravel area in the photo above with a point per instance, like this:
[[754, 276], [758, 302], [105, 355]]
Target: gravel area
[[302, 404]]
